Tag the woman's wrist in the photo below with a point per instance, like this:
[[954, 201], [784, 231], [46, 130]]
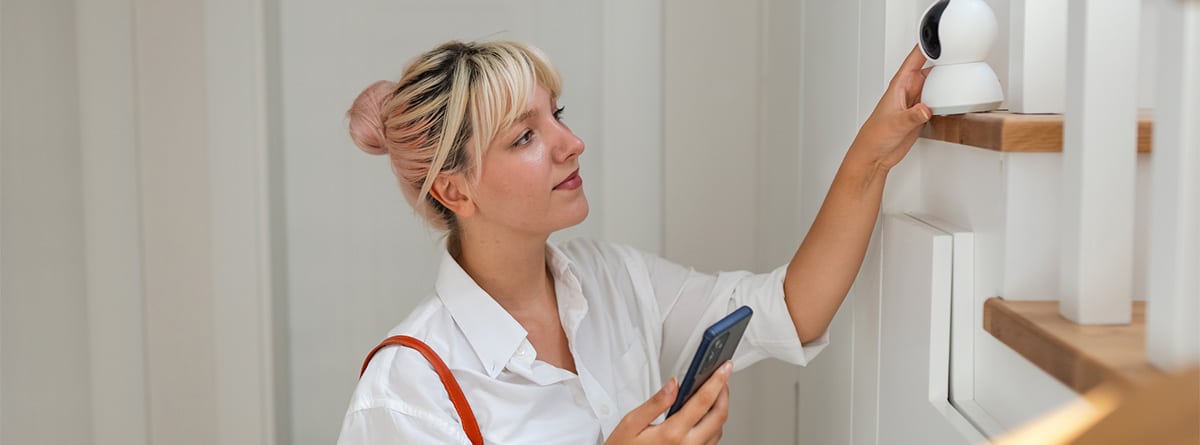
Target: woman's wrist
[[865, 160], [861, 170]]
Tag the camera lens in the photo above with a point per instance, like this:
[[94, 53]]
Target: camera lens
[[930, 41]]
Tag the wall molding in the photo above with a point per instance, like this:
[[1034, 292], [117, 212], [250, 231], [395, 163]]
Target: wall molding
[[632, 132], [238, 180], [112, 221]]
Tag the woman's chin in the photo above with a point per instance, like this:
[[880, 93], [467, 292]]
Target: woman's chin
[[578, 213], [581, 214]]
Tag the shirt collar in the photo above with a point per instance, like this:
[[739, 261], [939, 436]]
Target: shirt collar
[[492, 332]]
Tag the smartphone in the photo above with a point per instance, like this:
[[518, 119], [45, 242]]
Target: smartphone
[[716, 347]]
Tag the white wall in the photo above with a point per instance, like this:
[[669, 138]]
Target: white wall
[[112, 210], [128, 314], [43, 310]]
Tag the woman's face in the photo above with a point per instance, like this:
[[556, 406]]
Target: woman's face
[[530, 181]]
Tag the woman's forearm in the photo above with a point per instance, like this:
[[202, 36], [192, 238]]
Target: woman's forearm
[[827, 262]]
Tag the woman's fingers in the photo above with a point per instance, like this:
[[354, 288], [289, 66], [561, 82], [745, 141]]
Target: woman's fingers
[[712, 425], [638, 419], [914, 61], [917, 115], [702, 401]]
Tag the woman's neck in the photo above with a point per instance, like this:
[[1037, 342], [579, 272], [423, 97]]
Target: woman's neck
[[512, 269]]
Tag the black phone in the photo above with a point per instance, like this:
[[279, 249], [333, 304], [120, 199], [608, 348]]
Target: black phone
[[716, 347]]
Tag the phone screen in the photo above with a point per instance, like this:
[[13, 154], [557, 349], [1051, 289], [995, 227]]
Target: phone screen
[[716, 347]]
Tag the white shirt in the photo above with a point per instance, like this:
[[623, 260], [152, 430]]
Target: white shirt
[[632, 321]]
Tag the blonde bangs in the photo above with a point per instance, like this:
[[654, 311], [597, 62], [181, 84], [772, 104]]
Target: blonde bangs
[[506, 75]]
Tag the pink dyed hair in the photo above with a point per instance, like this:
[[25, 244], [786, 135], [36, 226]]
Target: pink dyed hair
[[455, 93]]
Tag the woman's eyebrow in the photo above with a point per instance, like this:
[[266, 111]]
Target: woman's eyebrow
[[526, 115]]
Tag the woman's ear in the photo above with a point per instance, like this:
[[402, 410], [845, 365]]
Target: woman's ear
[[452, 192]]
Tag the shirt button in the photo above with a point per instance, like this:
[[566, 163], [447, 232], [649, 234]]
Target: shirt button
[[521, 351], [603, 410]]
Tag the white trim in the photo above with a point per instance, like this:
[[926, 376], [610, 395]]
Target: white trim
[[965, 321], [1099, 163], [112, 221], [1173, 308], [632, 130], [235, 34], [1, 228], [1037, 56]]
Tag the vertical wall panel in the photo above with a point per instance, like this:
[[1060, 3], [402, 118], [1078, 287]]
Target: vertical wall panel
[[235, 62], [172, 111], [710, 82], [45, 385], [632, 135], [112, 216]]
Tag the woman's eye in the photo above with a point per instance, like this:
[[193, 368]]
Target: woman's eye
[[525, 138], [558, 114]]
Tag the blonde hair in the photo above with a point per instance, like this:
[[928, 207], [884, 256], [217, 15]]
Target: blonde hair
[[455, 93]]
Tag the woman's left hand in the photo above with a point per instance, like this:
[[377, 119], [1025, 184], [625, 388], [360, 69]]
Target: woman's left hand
[[896, 122]]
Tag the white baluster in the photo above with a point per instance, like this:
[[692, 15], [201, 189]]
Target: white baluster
[[1099, 161], [1173, 303], [1037, 55]]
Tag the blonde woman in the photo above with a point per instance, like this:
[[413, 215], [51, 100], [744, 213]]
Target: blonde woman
[[577, 342]]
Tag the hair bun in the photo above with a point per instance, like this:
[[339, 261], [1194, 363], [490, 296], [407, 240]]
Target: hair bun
[[366, 117]]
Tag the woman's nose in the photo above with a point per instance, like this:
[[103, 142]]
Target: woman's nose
[[570, 145]]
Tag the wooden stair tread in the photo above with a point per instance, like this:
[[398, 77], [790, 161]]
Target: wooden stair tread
[[1012, 132], [1080, 356]]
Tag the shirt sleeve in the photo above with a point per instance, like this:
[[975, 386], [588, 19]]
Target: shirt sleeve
[[393, 422], [690, 302], [399, 399]]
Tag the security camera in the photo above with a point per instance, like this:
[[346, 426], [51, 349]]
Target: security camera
[[956, 35]]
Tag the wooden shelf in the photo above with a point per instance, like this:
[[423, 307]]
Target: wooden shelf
[[1010, 132], [1080, 356]]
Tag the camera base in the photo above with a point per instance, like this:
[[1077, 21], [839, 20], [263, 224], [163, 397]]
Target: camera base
[[962, 88]]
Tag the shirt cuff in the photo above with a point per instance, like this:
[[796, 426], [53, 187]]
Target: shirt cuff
[[771, 332]]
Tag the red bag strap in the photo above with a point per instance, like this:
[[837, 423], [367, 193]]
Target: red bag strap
[[470, 426]]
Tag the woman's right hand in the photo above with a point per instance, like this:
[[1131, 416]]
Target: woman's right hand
[[701, 421]]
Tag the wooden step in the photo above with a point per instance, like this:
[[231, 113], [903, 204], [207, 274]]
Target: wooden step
[[1080, 356], [1011, 132]]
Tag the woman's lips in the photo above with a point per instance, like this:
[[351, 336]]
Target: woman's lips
[[571, 183]]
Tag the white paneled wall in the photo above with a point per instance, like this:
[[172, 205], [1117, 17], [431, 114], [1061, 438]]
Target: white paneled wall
[[110, 157], [237, 133], [177, 260], [45, 384], [124, 250]]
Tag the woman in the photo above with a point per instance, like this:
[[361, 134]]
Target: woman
[[576, 343]]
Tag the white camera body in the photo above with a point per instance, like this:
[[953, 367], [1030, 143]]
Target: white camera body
[[956, 36]]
